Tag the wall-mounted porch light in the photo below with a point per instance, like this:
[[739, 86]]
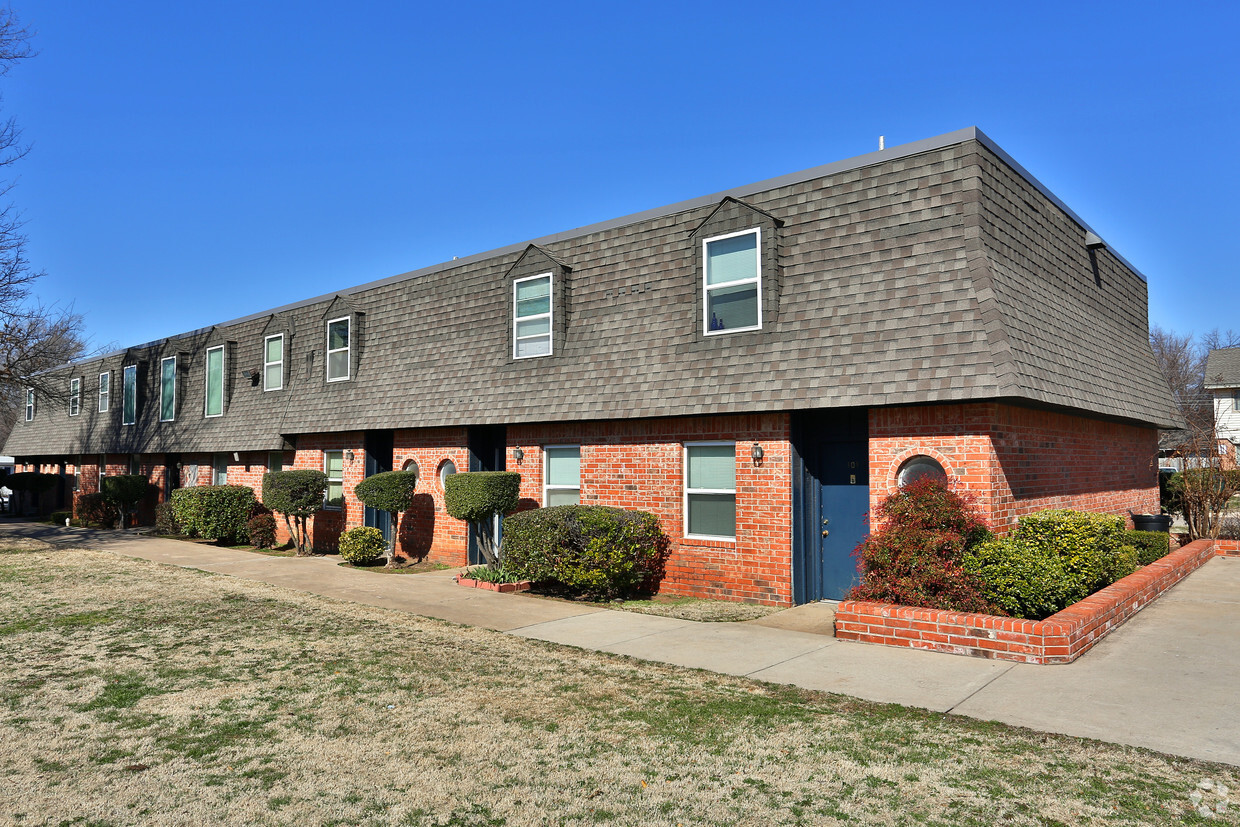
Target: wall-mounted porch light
[[518, 454], [757, 453], [348, 455]]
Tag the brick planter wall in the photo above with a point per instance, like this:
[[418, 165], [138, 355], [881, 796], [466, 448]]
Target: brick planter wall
[[1227, 548], [1061, 638]]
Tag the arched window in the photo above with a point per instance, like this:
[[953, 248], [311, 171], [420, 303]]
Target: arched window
[[919, 467]]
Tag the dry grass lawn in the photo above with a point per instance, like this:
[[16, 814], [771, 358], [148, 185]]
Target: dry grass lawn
[[135, 693]]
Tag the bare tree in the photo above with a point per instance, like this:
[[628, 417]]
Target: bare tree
[[34, 337], [1183, 363]]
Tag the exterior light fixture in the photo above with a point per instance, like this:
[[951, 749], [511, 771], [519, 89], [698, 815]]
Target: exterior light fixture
[[757, 453], [518, 454], [348, 455]]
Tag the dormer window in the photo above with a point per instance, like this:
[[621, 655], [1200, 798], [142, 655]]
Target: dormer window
[[338, 349], [732, 282], [29, 404], [75, 396], [273, 362], [215, 382], [105, 388], [129, 394], [531, 316], [168, 389]]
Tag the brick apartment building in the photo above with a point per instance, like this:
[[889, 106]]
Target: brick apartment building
[[757, 367]]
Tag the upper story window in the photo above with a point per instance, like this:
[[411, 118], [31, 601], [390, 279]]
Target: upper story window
[[129, 395], [562, 478], [105, 391], [215, 382], [338, 349], [167, 389], [273, 362], [531, 316], [710, 490], [75, 396], [29, 404], [333, 467], [731, 282]]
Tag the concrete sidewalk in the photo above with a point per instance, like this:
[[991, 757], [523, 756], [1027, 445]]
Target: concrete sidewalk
[[1165, 680]]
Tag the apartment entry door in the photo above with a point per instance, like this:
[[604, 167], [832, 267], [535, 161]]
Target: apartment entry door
[[831, 501], [379, 459], [488, 451]]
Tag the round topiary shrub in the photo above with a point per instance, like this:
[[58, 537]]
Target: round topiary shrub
[[362, 545], [262, 528]]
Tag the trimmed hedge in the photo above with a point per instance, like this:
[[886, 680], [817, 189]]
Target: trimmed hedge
[[59, 517], [34, 482], [1085, 542], [594, 550], [1150, 545], [362, 545], [474, 496], [214, 512], [166, 519], [389, 491], [1023, 578]]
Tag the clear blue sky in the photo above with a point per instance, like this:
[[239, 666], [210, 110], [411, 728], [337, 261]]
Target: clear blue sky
[[196, 162]]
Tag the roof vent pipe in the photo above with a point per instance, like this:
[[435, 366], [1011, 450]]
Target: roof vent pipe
[[882, 142], [1092, 241]]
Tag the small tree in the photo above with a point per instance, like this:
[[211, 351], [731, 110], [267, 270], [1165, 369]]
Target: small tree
[[1202, 490], [389, 491], [33, 483], [297, 495], [480, 498], [124, 493]]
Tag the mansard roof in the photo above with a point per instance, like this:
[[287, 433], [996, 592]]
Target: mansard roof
[[940, 271]]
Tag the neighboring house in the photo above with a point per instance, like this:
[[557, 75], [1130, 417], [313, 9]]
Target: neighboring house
[[758, 367], [1223, 381]]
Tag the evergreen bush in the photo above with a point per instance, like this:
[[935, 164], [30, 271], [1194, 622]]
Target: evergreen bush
[[125, 493], [1022, 578], [598, 551], [389, 491], [1087, 545], [59, 517], [214, 512], [362, 545], [297, 494], [1150, 545], [479, 497], [166, 519]]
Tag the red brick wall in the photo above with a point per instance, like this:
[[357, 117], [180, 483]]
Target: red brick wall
[[328, 524], [639, 464], [1019, 460], [426, 530]]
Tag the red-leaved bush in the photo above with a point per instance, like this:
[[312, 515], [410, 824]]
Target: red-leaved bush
[[914, 557]]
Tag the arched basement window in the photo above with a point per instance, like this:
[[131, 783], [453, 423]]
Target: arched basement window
[[918, 468]]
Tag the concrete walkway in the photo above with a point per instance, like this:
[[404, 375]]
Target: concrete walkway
[[1166, 680]]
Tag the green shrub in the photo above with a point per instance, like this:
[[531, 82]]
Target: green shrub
[[297, 494], [362, 545], [914, 558], [389, 491], [93, 509], [214, 512], [478, 497], [124, 493], [1122, 563], [1086, 544], [1023, 578], [262, 530], [166, 519], [1150, 545], [594, 550], [59, 517]]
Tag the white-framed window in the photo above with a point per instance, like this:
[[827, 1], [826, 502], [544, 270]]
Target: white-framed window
[[219, 469], [710, 490], [29, 404], [338, 349], [562, 475], [446, 469], [75, 396], [531, 317], [273, 362], [215, 382], [129, 394], [168, 389], [105, 390], [732, 282], [333, 467]]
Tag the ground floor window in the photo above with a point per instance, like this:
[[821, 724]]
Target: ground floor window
[[710, 490], [333, 466], [562, 475], [275, 461], [220, 470]]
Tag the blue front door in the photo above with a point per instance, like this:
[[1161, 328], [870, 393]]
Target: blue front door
[[844, 524]]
